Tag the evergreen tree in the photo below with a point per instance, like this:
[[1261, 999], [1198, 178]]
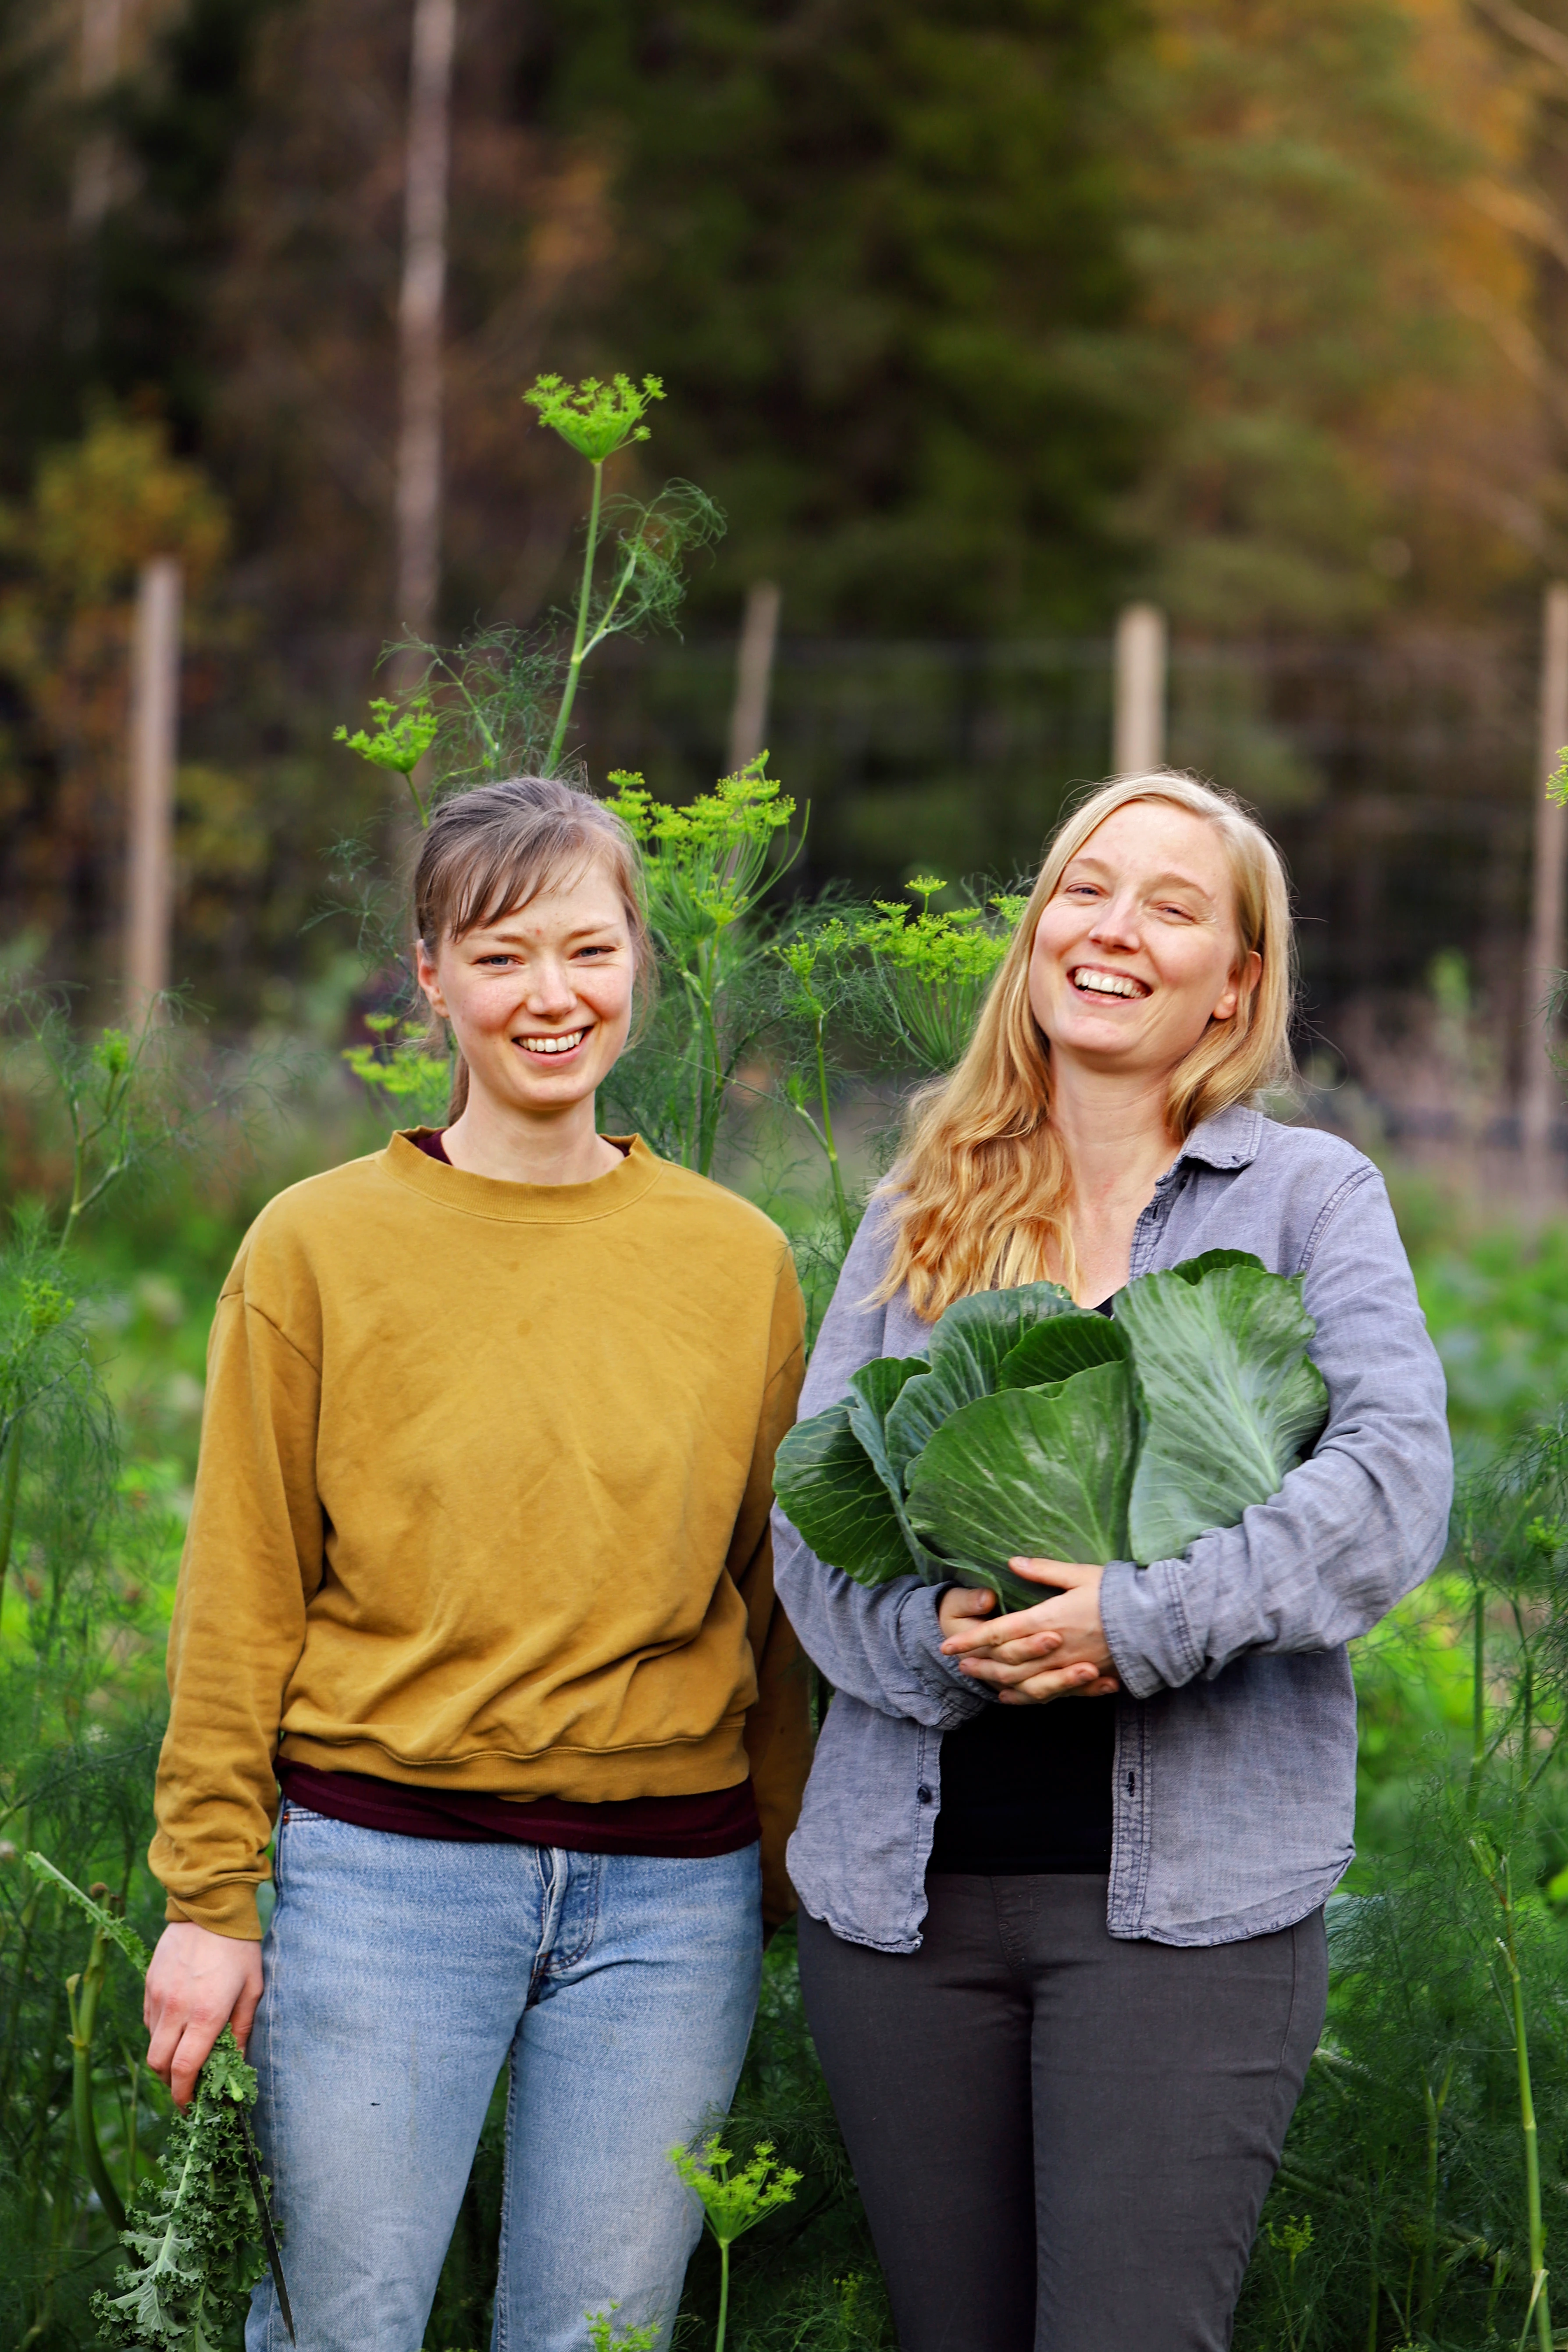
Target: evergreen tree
[[161, 250], [878, 244], [1333, 312]]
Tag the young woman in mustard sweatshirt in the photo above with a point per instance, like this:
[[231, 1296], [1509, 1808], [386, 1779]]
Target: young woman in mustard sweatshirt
[[477, 1609]]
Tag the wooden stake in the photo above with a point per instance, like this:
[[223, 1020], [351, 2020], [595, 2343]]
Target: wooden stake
[[1140, 737], [1541, 1088], [154, 735], [753, 674], [419, 310]]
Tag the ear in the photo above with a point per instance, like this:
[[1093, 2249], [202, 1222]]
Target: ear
[[1242, 982], [424, 973]]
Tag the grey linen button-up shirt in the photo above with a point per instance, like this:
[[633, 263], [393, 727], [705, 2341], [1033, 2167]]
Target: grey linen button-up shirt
[[1235, 1774]]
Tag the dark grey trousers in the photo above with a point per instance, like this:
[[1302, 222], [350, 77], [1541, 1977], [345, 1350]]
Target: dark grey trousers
[[1063, 2140]]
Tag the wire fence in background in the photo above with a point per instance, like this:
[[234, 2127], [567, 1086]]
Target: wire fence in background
[[1399, 777]]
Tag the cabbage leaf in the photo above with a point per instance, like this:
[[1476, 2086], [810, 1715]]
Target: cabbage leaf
[[969, 1345], [832, 1495], [1229, 1400], [1044, 1472], [1067, 1344], [837, 1490]]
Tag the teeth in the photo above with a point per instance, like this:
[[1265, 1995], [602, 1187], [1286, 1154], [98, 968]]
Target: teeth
[[554, 1045], [1106, 983]]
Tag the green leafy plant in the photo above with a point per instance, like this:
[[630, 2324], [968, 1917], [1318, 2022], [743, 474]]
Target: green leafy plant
[[812, 959], [88, 1542], [401, 739], [1032, 1428], [603, 2335], [598, 419], [933, 967], [1292, 2237], [733, 2201], [413, 1082], [1509, 1983], [194, 2231], [501, 703], [1428, 2149], [707, 865]]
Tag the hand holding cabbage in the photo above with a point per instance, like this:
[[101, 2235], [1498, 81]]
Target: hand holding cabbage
[[1034, 1429]]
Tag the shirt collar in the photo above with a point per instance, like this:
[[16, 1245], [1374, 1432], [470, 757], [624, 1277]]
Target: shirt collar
[[1231, 1139]]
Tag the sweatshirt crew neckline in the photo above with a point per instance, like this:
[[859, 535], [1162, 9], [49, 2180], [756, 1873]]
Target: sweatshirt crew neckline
[[407, 1162]]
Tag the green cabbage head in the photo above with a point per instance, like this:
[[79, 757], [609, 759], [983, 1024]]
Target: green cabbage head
[[1033, 1429]]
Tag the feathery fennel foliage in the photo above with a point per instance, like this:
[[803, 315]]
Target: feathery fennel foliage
[[1429, 2154], [87, 1543], [500, 704]]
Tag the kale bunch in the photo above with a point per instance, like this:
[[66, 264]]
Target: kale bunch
[[197, 2231], [193, 2234]]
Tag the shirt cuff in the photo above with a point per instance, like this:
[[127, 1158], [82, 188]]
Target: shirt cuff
[[921, 1633], [1146, 1628], [228, 1910]]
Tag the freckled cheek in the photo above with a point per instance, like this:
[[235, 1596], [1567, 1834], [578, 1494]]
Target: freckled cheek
[[609, 1002]]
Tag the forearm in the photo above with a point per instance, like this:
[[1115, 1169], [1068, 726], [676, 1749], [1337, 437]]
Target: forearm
[[217, 1796], [1307, 1571], [1352, 1529], [253, 1554], [881, 1644]]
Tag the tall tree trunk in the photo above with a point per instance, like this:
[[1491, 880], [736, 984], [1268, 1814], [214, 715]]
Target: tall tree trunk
[[93, 179], [1541, 1088], [419, 314], [99, 63]]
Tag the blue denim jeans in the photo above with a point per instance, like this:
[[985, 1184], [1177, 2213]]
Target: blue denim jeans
[[401, 1975]]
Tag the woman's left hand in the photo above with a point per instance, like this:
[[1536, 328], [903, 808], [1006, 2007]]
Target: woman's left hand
[[1056, 1650]]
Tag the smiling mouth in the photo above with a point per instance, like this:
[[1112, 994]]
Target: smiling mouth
[[1089, 981], [545, 1049]]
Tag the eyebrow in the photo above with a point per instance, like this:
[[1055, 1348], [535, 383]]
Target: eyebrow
[[503, 934], [1161, 881]]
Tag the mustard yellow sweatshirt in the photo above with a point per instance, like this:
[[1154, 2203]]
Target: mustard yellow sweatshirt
[[482, 1503]]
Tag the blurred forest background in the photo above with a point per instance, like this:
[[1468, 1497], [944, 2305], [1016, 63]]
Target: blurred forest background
[[978, 317]]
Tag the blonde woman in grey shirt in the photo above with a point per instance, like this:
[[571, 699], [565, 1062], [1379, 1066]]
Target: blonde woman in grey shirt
[[1065, 1963]]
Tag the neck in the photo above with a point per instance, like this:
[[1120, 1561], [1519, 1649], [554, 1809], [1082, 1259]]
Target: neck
[[496, 1139], [1112, 1128]]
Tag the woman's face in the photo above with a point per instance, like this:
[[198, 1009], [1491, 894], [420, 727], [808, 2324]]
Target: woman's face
[[540, 999], [1137, 951]]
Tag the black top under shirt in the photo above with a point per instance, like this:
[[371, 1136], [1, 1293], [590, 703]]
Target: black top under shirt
[[1027, 1789]]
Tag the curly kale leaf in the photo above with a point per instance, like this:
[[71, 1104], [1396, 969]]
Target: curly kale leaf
[[192, 2230], [193, 2233]]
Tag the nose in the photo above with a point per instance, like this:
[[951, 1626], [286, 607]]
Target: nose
[[549, 990], [1116, 925]]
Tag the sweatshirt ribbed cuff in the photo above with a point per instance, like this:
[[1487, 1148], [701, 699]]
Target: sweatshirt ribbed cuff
[[224, 1911]]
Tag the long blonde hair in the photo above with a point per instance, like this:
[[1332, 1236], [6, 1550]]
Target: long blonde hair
[[982, 1192]]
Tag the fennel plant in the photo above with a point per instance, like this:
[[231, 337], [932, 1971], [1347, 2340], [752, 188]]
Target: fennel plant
[[733, 2201], [87, 1540]]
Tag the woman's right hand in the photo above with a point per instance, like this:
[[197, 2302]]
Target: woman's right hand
[[959, 1607], [196, 1984]]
